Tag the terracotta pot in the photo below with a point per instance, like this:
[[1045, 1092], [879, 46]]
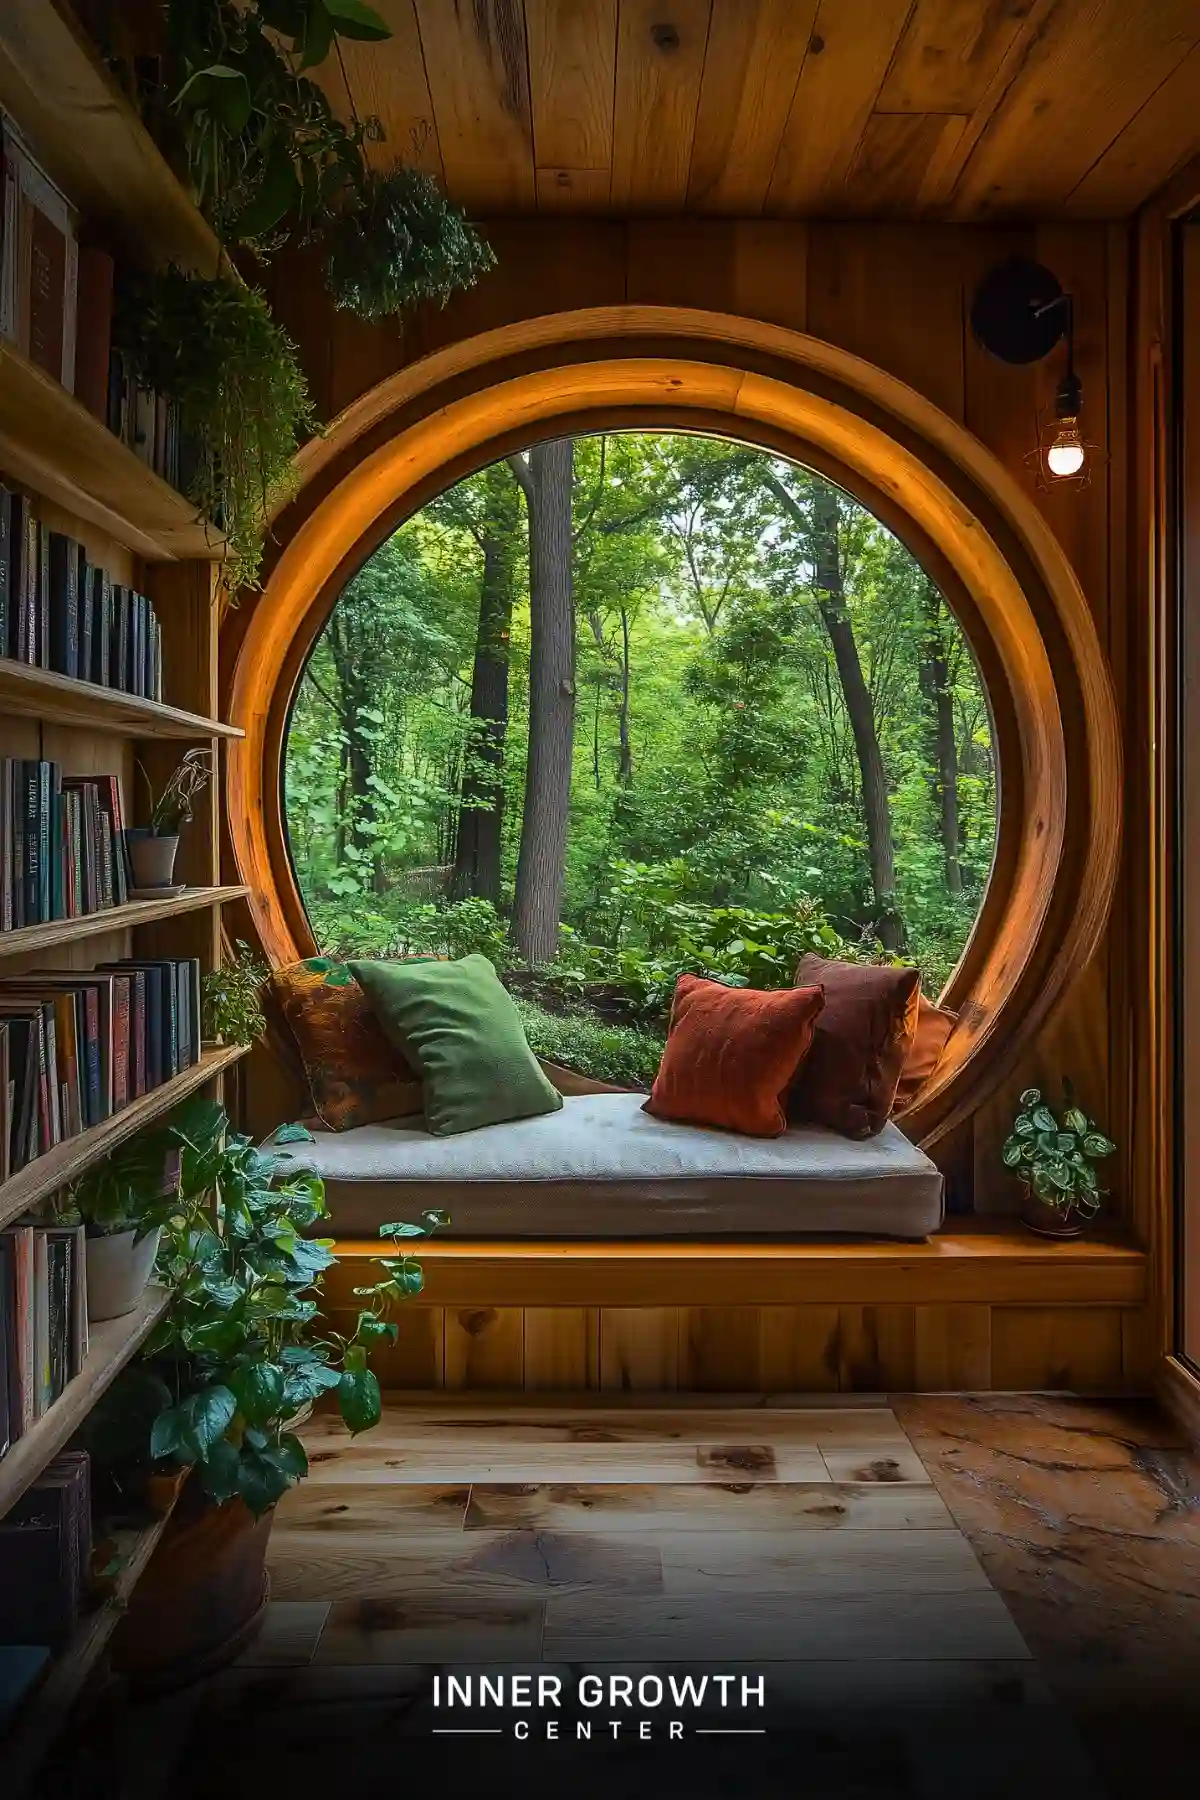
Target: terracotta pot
[[201, 1598], [161, 1491], [117, 1272], [152, 859], [1050, 1221]]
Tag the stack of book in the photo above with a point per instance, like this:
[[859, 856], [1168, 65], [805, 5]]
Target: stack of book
[[39, 261], [78, 1045], [59, 611], [43, 1322], [62, 844], [145, 420], [45, 1549]]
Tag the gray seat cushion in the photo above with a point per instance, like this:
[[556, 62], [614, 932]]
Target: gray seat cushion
[[603, 1168]]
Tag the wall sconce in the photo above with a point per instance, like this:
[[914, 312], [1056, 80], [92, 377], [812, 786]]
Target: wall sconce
[[1019, 314]]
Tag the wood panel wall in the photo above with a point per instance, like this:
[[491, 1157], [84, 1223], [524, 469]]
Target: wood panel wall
[[899, 296], [764, 1349]]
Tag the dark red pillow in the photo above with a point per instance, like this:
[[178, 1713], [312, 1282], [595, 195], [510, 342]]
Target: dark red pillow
[[934, 1025], [862, 1038], [731, 1053]]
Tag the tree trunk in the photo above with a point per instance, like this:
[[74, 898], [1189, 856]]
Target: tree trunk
[[547, 481], [935, 685], [831, 599], [481, 815], [354, 693], [625, 769]]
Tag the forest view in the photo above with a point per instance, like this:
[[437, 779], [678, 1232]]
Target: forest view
[[626, 705]]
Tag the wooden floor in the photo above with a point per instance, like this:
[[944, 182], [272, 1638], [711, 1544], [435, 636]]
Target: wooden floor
[[998, 1596]]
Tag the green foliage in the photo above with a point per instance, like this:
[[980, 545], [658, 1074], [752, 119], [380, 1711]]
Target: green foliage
[[232, 998], [1053, 1155], [626, 1055], [239, 1351], [402, 242], [267, 155], [271, 161], [716, 815], [213, 346], [402, 928], [132, 1188]]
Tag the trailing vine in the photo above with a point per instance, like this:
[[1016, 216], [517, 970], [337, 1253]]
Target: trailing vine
[[401, 243], [213, 346]]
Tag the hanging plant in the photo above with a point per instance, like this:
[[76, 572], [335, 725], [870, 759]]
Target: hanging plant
[[213, 346], [402, 242], [269, 159]]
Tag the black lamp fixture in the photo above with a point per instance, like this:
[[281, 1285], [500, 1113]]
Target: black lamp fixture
[[1019, 314]]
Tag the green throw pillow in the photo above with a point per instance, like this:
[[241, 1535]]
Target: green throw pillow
[[456, 1023]]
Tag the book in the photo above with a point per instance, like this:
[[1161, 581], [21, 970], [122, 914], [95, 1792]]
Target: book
[[45, 1545], [18, 1316], [39, 277], [21, 1669], [7, 497], [63, 603], [94, 336]]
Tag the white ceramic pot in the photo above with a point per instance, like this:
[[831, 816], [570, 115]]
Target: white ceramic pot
[[117, 1273]]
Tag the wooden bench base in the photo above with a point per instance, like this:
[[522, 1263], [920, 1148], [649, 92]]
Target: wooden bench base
[[985, 1306]]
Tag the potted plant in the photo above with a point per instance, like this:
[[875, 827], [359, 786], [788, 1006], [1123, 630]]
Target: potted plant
[[237, 1356], [123, 1203], [232, 999], [1053, 1158], [153, 848]]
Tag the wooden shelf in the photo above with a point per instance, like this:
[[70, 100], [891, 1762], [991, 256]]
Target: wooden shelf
[[41, 694], [46, 1174], [31, 938], [32, 1734], [90, 140], [110, 1347], [50, 442]]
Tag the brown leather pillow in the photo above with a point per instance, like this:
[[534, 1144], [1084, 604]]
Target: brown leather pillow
[[861, 1041], [934, 1025], [730, 1054], [353, 1072]]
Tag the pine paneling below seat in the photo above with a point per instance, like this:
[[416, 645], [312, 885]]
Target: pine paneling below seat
[[767, 1349]]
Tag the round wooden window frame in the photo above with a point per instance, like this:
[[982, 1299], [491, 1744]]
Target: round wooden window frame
[[980, 536]]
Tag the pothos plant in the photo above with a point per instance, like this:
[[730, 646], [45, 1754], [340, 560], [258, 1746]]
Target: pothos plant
[[240, 1352], [1054, 1157]]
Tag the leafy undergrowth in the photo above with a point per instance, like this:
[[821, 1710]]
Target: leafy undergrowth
[[626, 1055]]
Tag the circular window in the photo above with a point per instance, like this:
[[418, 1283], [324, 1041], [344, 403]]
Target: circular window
[[632, 703], [978, 538]]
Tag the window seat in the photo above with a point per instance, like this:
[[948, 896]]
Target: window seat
[[602, 1168]]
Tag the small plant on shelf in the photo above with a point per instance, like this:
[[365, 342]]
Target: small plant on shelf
[[123, 1202], [1054, 1158], [232, 998], [213, 346], [152, 848]]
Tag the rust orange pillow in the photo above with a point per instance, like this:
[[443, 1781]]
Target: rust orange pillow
[[730, 1054], [862, 1039], [354, 1074], [934, 1025]]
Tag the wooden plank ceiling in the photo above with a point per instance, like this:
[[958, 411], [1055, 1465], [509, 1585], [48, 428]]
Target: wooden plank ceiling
[[958, 109]]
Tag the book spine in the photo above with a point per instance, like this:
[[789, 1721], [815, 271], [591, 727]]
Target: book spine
[[31, 838], [120, 1032], [41, 1326], [138, 1033], [91, 1053], [48, 777], [6, 518]]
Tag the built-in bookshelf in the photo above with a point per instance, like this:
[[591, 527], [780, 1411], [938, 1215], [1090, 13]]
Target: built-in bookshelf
[[127, 521]]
